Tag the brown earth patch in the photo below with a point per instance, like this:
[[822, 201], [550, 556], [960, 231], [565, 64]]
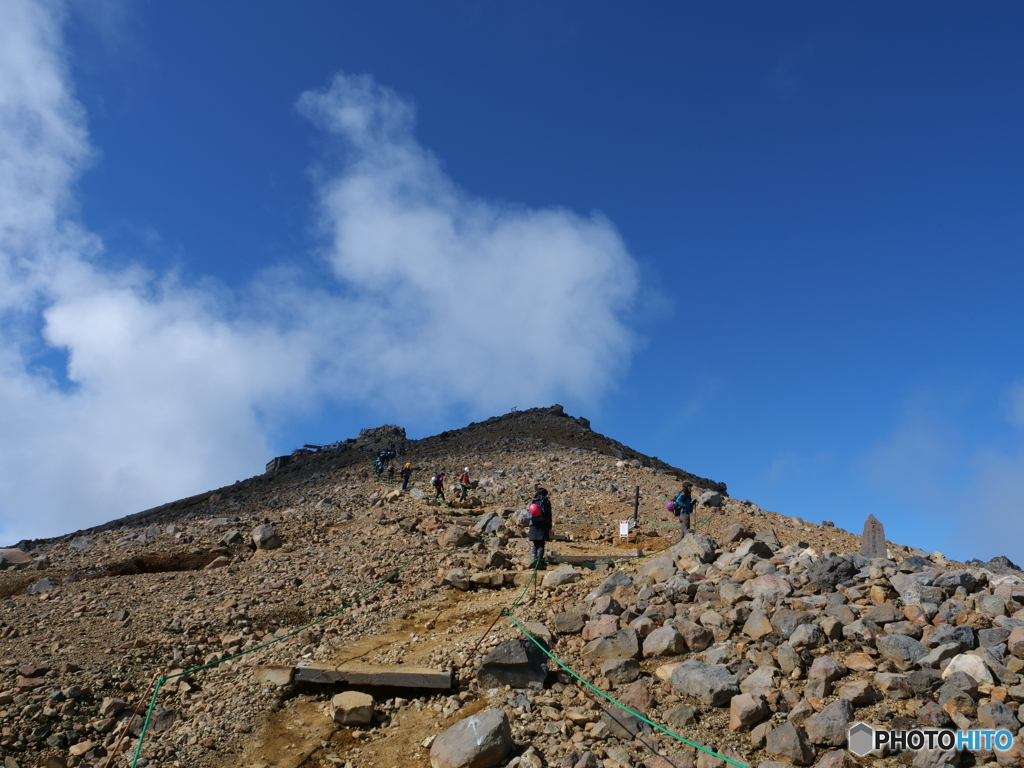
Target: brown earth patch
[[162, 562]]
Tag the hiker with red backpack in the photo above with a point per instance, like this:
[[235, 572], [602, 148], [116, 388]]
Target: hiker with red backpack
[[464, 484], [540, 526], [438, 482]]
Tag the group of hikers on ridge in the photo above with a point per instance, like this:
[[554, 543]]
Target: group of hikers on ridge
[[436, 482], [539, 509], [385, 458]]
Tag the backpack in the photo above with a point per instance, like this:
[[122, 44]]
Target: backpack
[[435, 480]]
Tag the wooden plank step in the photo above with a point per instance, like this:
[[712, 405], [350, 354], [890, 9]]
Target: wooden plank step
[[388, 675], [583, 559]]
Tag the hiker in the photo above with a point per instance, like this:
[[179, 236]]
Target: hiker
[[378, 467], [540, 526], [438, 482], [391, 473], [684, 505], [464, 484], [406, 474]]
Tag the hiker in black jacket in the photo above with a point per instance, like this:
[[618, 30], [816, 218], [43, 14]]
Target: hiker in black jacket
[[540, 526], [406, 473]]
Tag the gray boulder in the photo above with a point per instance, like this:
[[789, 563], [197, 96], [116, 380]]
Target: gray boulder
[[567, 623], [761, 680], [711, 684], [697, 546], [827, 573], [789, 742], [710, 499], [44, 585], [664, 641], [455, 536], [624, 644], [754, 547], [614, 581], [950, 580], [961, 636], [807, 636], [915, 588], [480, 741], [620, 671], [996, 716], [517, 663], [884, 613], [563, 574], [901, 650], [769, 538], [623, 725], [937, 655], [677, 588], [264, 537], [829, 726], [489, 523], [747, 710], [232, 539]]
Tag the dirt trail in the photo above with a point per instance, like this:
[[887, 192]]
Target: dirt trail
[[302, 734]]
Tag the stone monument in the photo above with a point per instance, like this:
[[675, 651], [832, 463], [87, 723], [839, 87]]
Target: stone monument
[[872, 543]]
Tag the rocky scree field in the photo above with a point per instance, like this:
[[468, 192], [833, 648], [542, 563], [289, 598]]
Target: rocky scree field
[[759, 638]]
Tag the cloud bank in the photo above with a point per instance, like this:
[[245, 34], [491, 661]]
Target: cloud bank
[[120, 390]]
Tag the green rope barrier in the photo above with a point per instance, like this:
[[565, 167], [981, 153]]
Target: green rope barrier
[[601, 693], [145, 724]]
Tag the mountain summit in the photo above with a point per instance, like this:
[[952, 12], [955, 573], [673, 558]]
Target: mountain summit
[[318, 615]]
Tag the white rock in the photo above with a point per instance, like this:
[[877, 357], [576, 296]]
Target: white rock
[[352, 708], [975, 667]]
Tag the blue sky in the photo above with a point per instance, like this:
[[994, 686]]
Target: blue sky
[[777, 245]]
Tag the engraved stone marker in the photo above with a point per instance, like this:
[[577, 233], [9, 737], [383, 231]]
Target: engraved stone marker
[[873, 541]]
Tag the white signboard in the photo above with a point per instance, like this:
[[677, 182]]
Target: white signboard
[[624, 526]]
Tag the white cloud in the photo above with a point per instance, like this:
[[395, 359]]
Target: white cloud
[[914, 461], [502, 303], [1015, 405], [439, 298], [993, 520]]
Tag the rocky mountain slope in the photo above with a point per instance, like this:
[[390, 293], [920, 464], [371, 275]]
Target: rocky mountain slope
[[755, 641]]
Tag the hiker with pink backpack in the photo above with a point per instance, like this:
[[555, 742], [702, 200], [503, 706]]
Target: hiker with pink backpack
[[540, 526]]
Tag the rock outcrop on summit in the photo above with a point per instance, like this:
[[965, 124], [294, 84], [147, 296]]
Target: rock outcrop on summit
[[316, 616]]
